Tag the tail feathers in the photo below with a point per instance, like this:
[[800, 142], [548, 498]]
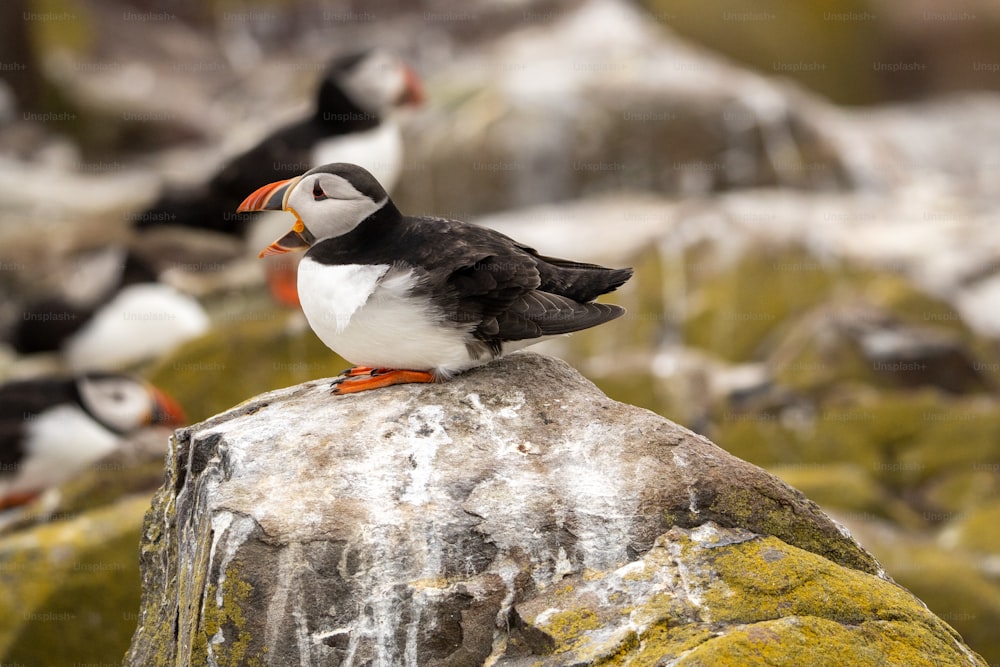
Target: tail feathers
[[538, 314], [579, 281]]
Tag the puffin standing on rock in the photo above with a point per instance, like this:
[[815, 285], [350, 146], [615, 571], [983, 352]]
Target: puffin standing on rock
[[419, 299], [51, 428]]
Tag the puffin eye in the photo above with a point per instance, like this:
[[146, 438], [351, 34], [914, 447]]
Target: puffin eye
[[318, 193]]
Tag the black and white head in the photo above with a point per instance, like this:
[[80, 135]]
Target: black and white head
[[372, 80], [123, 403], [327, 202]]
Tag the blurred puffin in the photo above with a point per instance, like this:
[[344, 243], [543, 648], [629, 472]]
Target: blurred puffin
[[418, 299], [108, 312], [351, 122], [52, 428]]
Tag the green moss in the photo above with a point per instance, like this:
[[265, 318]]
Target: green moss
[[821, 642], [977, 530], [846, 50], [155, 641], [663, 639], [568, 628], [905, 454], [735, 309], [955, 492], [71, 588], [764, 515], [755, 582], [949, 582], [71, 28], [755, 602], [230, 620], [242, 358]]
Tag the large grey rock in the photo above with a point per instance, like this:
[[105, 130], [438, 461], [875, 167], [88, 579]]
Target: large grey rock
[[511, 516]]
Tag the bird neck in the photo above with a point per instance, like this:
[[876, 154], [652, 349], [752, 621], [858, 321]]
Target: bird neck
[[361, 243]]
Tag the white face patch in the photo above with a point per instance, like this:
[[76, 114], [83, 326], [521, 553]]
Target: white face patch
[[329, 206], [376, 83], [122, 403]]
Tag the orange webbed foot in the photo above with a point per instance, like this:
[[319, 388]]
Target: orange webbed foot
[[363, 378]]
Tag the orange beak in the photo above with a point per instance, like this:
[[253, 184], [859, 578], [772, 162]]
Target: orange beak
[[413, 90], [270, 197], [274, 197], [166, 410]]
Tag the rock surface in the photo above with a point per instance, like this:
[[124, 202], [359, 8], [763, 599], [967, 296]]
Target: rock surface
[[513, 516]]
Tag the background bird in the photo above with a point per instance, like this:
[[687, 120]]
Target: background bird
[[352, 118], [52, 428], [352, 122], [417, 299]]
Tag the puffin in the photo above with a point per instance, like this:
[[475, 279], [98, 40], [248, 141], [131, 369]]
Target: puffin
[[351, 122], [416, 298], [53, 427], [353, 101], [110, 313]]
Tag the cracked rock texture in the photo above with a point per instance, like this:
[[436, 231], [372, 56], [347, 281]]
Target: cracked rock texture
[[512, 516]]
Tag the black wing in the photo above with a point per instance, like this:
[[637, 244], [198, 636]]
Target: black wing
[[506, 291]]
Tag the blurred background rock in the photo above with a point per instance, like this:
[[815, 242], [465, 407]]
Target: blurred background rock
[[808, 194]]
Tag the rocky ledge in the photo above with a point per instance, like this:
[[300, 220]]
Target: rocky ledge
[[513, 516]]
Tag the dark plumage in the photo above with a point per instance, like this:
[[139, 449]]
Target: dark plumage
[[479, 276]]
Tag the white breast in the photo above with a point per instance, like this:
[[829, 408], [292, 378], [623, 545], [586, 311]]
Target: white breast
[[369, 316], [141, 322], [59, 443]]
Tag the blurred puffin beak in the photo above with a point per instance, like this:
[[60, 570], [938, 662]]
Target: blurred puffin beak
[[413, 89], [274, 197], [165, 409]]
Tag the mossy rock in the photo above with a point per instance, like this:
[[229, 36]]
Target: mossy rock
[[881, 345], [729, 597], [69, 590], [921, 457], [959, 490], [977, 530], [848, 488], [832, 57], [951, 582], [735, 308], [742, 307]]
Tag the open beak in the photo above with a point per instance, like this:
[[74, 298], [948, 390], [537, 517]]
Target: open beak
[[166, 410], [274, 197]]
